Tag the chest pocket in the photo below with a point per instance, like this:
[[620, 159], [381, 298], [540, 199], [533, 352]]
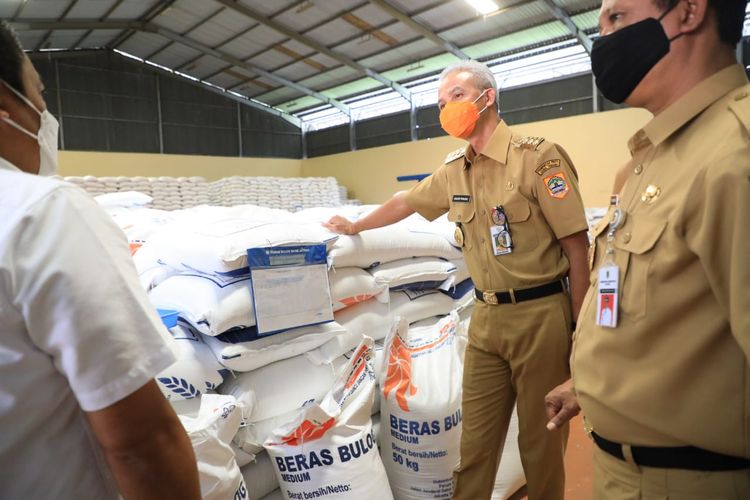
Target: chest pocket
[[522, 226], [463, 213], [635, 243]]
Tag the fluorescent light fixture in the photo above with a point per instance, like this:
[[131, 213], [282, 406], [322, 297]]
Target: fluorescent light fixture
[[484, 7]]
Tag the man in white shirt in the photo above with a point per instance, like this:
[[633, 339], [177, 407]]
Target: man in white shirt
[[80, 413]]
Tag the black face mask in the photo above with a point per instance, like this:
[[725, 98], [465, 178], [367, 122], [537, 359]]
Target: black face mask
[[621, 60]]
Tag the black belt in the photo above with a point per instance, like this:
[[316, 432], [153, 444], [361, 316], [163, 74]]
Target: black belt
[[677, 457], [514, 296]]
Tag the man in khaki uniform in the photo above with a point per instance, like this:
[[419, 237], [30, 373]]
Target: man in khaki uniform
[[520, 219], [666, 389]]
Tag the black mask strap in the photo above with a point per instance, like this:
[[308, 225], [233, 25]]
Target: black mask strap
[[671, 7]]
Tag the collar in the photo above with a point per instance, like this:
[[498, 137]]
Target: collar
[[6, 165], [700, 97], [496, 148]]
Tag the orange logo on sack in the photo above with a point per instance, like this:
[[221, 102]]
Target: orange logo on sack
[[398, 377], [307, 431], [355, 299]]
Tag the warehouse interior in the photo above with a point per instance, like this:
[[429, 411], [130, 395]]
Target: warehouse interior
[[331, 104]]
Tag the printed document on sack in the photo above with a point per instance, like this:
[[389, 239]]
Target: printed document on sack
[[290, 287]]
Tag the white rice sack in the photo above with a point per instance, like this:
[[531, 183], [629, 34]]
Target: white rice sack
[[458, 290], [123, 199], [351, 285], [259, 477], [196, 370], [211, 304], [281, 387], [237, 352], [213, 241], [421, 273], [510, 476], [462, 271], [251, 437], [186, 407], [330, 449], [371, 318], [421, 407], [386, 244], [241, 456], [140, 224], [210, 434], [441, 227], [415, 305], [152, 277]]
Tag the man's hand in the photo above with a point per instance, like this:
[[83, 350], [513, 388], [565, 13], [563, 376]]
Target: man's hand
[[561, 404], [340, 225]]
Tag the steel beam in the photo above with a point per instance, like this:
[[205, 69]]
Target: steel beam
[[294, 35], [564, 18], [420, 28]]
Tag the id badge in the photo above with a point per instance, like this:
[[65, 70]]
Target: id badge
[[607, 298], [501, 241]]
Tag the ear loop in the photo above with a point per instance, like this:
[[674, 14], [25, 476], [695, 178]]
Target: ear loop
[[670, 9], [479, 97]]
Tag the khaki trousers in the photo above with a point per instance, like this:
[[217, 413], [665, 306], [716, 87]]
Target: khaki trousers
[[616, 479], [516, 354]]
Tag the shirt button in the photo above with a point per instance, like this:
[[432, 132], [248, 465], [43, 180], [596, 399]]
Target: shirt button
[[482, 240], [626, 238], [638, 169], [484, 212]]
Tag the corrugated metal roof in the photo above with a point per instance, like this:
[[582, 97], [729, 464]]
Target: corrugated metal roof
[[355, 30]]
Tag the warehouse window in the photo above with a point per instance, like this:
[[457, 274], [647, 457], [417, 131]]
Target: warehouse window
[[517, 70]]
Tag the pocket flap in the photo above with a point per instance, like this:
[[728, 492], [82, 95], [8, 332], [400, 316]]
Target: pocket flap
[[517, 210], [461, 212], [640, 234]]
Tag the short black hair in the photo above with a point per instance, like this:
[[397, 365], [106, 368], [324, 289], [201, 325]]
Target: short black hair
[[11, 57], [730, 17]]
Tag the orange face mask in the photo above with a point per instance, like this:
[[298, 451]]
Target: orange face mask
[[459, 118]]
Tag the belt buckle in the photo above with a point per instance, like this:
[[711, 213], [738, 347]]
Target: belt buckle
[[490, 298]]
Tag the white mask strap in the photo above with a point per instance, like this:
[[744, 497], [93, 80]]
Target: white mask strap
[[479, 97], [22, 97], [16, 126]]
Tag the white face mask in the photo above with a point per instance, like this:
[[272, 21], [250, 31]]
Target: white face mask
[[46, 137]]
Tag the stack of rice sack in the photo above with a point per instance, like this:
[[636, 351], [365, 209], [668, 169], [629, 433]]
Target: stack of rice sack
[[412, 270], [418, 261], [275, 192]]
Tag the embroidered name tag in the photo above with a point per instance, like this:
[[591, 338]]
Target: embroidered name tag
[[461, 198], [547, 165]]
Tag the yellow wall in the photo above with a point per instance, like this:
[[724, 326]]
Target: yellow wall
[[597, 144], [154, 165]]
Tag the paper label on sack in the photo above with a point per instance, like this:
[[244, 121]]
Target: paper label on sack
[[290, 287]]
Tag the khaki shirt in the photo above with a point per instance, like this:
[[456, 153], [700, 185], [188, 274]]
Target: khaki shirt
[[675, 371], [534, 181]]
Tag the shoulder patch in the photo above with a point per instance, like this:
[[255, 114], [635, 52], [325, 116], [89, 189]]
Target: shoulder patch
[[547, 165], [455, 155], [528, 142], [740, 107]]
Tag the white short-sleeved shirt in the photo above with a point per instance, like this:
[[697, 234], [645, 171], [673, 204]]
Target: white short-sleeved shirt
[[76, 332]]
